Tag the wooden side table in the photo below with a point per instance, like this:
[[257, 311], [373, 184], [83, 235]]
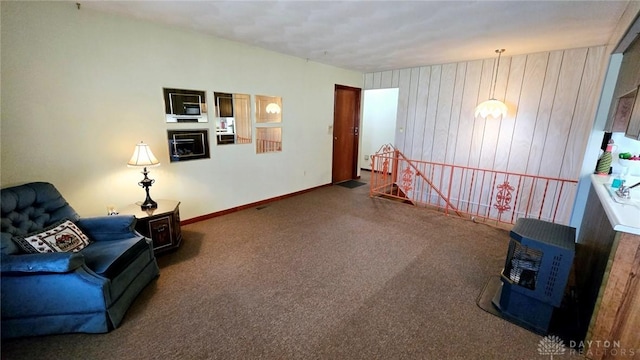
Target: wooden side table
[[162, 225]]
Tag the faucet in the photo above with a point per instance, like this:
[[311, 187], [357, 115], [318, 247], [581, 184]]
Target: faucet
[[625, 191]]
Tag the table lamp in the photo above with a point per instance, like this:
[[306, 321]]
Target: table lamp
[[142, 156]]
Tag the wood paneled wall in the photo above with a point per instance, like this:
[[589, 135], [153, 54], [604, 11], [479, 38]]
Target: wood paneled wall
[[552, 99]]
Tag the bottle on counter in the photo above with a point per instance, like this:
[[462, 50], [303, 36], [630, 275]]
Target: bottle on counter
[[604, 163]]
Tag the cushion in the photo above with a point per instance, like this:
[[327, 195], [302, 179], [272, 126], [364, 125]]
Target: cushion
[[31, 207], [110, 258], [59, 237], [7, 245], [60, 262]]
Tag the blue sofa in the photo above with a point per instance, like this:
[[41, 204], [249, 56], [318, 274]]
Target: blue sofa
[[86, 291]]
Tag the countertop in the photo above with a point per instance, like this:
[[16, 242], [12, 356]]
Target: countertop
[[624, 215]]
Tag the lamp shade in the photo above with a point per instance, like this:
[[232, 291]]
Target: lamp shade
[[492, 107], [142, 156], [273, 108]]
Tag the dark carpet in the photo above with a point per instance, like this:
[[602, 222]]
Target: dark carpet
[[329, 274], [351, 184]]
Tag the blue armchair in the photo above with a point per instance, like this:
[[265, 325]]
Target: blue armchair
[[62, 292]]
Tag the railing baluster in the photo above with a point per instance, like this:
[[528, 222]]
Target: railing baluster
[[544, 195], [528, 208], [484, 173], [449, 192], [493, 186], [473, 176], [557, 203], [515, 201], [463, 176]]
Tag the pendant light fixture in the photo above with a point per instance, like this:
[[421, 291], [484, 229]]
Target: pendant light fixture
[[492, 107]]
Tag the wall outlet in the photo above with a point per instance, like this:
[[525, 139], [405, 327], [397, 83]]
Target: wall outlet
[[366, 157]]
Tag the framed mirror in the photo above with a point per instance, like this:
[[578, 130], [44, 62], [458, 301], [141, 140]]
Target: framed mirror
[[268, 139], [233, 118], [268, 120], [268, 109], [188, 106], [188, 144]]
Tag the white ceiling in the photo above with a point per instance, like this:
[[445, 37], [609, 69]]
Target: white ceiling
[[372, 36]]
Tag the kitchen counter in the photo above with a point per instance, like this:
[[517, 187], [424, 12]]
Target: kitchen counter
[[606, 265], [624, 215]]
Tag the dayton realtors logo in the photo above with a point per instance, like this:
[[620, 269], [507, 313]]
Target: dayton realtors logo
[[551, 345], [598, 348]]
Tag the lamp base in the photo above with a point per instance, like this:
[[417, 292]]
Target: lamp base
[[146, 183], [148, 204]]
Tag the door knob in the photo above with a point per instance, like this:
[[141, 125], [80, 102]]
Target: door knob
[[335, 138]]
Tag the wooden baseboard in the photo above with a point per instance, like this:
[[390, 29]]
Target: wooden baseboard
[[247, 206]]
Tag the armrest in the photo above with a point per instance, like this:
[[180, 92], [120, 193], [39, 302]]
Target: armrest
[[61, 262], [106, 228]]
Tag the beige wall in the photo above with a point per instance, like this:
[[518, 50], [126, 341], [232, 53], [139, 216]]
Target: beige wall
[[81, 88]]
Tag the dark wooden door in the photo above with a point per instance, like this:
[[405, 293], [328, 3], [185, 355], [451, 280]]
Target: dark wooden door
[[346, 122]]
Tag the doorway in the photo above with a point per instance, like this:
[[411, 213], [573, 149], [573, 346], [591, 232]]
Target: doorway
[[346, 127], [379, 115]]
